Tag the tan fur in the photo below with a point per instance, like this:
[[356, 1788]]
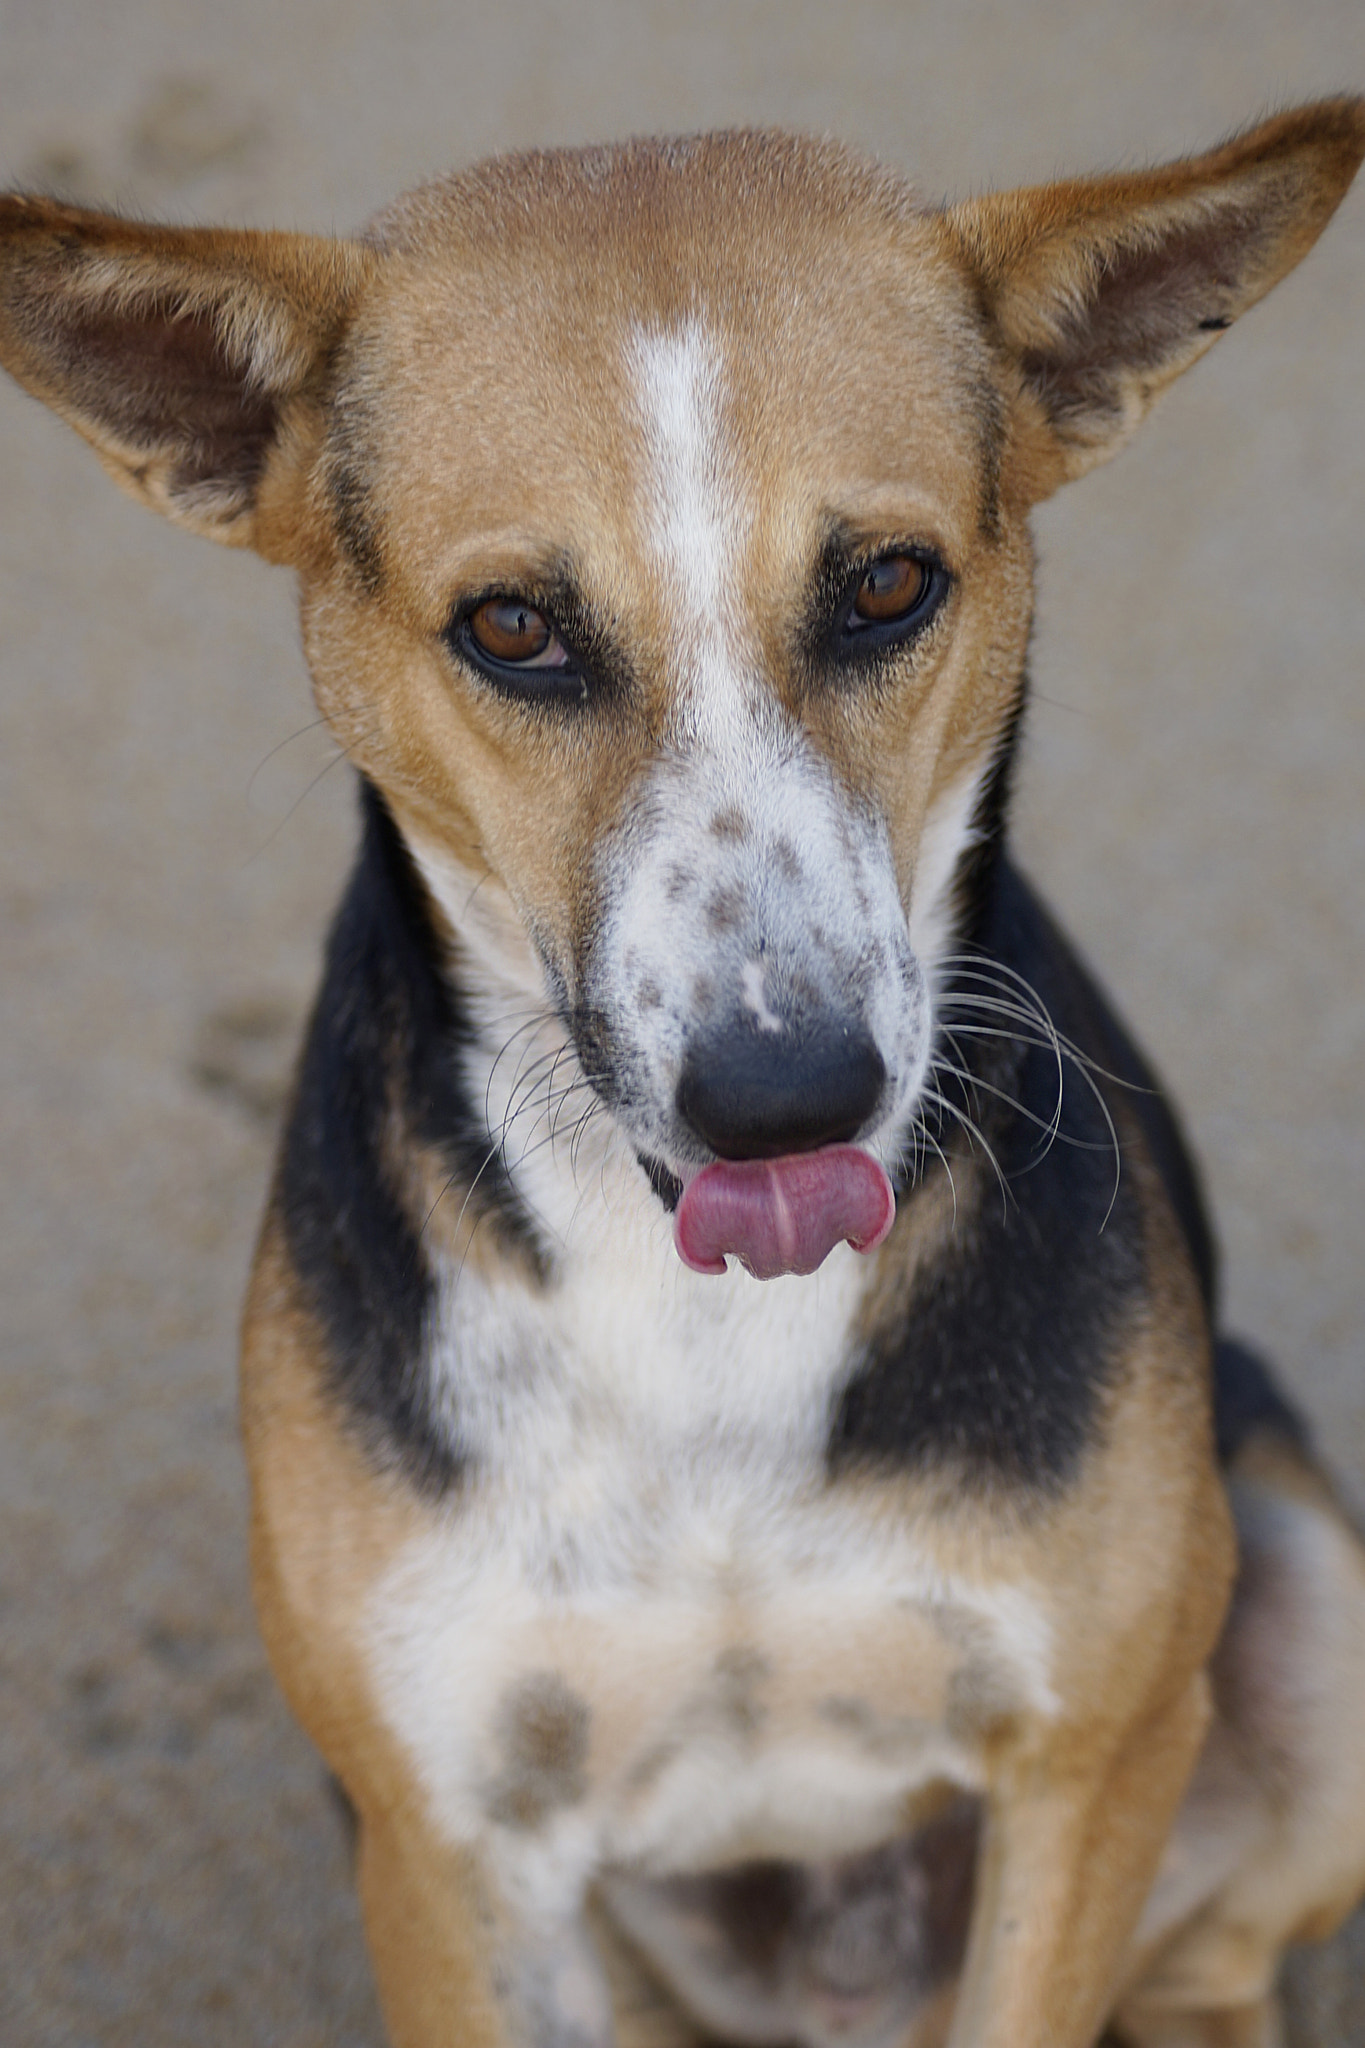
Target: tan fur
[[1285, 1751], [445, 410], [324, 1525]]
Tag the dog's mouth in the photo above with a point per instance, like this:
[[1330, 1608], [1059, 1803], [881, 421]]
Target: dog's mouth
[[783, 1215]]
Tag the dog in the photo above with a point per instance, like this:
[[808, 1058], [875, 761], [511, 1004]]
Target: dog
[[750, 1498]]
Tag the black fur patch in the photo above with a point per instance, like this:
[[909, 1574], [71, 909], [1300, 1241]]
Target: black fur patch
[[975, 882], [380, 1061], [356, 527], [989, 413], [1010, 1339], [666, 1185], [1096, 1029]]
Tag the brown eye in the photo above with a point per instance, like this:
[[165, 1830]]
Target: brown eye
[[515, 634], [891, 589]]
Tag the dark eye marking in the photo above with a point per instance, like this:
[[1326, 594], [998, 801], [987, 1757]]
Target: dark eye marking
[[888, 601], [515, 644]]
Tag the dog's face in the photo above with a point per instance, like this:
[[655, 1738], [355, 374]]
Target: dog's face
[[689, 609], [660, 515]]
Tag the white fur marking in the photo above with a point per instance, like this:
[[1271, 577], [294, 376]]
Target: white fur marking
[[754, 998], [679, 381], [949, 831], [697, 521], [673, 1555]]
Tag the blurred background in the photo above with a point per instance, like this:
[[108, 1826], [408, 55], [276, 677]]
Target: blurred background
[[174, 829]]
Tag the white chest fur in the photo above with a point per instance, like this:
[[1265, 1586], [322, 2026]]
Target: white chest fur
[[647, 1632]]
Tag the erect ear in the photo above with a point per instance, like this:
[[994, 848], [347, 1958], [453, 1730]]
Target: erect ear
[[174, 351], [1103, 290]]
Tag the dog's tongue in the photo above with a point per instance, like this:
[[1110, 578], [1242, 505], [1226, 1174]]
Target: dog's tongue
[[783, 1215]]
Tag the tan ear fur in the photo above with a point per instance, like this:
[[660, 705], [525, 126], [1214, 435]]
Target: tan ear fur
[[1103, 290], [174, 351]]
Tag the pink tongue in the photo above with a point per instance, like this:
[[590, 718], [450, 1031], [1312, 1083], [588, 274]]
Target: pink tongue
[[783, 1215]]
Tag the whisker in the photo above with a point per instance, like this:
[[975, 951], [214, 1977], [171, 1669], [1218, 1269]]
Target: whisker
[[341, 754], [530, 1025], [975, 1132], [1010, 997], [497, 1146], [979, 968], [920, 1130], [1050, 1126], [278, 748]]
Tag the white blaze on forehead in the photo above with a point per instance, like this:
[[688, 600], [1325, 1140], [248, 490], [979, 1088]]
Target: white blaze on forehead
[[694, 513]]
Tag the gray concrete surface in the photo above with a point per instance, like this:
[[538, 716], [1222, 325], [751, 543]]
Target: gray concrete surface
[[172, 834]]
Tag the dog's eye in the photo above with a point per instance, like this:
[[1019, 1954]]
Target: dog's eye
[[888, 602], [890, 590], [516, 647], [515, 635], [870, 611]]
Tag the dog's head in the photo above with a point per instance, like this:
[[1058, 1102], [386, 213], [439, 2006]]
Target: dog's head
[[660, 515]]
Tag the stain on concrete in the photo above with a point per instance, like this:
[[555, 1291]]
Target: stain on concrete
[[191, 124], [244, 1053]]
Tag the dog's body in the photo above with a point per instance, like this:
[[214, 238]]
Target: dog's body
[[842, 1643]]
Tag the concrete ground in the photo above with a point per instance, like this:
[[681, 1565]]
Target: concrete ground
[[173, 831]]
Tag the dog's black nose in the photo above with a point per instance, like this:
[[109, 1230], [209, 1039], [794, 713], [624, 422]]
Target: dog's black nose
[[756, 1095]]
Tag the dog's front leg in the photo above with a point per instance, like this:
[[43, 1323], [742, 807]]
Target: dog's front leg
[[460, 1963], [1072, 1842]]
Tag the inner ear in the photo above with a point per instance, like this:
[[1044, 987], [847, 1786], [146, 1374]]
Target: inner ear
[[161, 382], [1101, 291], [1147, 311], [175, 352]]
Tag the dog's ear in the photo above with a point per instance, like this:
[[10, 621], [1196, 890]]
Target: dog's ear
[[177, 352], [1103, 290]]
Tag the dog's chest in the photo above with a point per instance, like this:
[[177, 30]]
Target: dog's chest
[[649, 1631]]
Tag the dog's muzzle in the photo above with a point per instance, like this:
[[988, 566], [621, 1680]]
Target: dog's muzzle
[[751, 1094], [788, 1184]]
